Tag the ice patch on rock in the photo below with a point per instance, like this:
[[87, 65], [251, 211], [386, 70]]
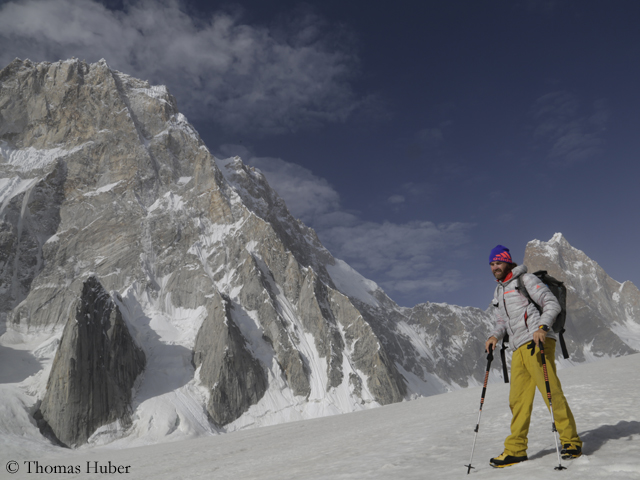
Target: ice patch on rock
[[27, 159], [352, 283]]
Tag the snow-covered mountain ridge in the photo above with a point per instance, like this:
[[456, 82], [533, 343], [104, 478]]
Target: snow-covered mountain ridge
[[244, 319]]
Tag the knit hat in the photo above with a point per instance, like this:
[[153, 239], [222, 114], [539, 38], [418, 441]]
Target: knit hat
[[500, 254]]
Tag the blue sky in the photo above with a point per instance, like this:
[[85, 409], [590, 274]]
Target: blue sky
[[413, 136]]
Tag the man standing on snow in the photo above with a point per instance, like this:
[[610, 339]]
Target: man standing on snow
[[527, 329]]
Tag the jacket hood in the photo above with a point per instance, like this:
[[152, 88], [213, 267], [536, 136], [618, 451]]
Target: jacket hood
[[516, 272], [519, 270]]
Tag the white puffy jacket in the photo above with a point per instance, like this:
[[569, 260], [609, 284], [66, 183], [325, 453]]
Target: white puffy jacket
[[514, 314]]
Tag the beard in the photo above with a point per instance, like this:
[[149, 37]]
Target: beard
[[501, 273]]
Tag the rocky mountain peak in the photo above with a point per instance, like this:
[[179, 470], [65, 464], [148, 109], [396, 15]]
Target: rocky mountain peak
[[601, 319]]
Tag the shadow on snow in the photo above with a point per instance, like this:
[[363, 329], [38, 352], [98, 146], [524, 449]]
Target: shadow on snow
[[596, 438]]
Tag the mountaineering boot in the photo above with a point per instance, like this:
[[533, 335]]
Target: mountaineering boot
[[505, 460], [570, 451]]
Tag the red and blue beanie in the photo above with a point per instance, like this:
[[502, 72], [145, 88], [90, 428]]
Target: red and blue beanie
[[500, 254]]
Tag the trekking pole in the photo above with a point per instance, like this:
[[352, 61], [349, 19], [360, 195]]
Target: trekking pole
[[553, 421], [484, 390]]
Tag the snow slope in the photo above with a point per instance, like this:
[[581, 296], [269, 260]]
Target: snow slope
[[426, 438]]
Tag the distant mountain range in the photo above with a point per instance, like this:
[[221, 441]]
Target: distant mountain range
[[151, 292]]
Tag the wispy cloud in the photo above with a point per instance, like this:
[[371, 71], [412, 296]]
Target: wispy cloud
[[569, 132], [403, 258], [308, 197], [419, 189], [396, 199], [425, 141], [242, 77], [411, 193]]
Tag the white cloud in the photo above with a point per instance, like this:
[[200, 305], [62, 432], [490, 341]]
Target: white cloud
[[568, 132], [395, 199], [306, 195], [411, 193], [404, 258], [396, 250], [419, 189], [435, 281], [242, 77]]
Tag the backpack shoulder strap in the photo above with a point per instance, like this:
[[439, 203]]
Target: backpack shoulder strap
[[563, 345], [505, 371], [523, 291]]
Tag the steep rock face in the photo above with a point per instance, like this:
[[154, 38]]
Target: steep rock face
[[456, 338], [139, 202], [94, 369], [305, 299], [89, 119], [235, 378], [603, 315], [29, 216]]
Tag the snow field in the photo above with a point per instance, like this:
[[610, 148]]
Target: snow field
[[28, 159], [426, 438]]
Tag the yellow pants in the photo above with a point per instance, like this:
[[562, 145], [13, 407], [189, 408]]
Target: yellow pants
[[526, 375]]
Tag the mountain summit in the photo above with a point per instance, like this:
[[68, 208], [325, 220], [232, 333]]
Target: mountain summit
[[177, 288], [603, 314]]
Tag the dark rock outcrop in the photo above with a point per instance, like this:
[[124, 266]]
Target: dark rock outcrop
[[93, 372], [235, 378]]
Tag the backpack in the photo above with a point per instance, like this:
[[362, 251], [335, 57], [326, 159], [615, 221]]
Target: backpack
[[560, 292]]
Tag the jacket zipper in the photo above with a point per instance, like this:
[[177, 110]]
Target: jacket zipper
[[504, 303]]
